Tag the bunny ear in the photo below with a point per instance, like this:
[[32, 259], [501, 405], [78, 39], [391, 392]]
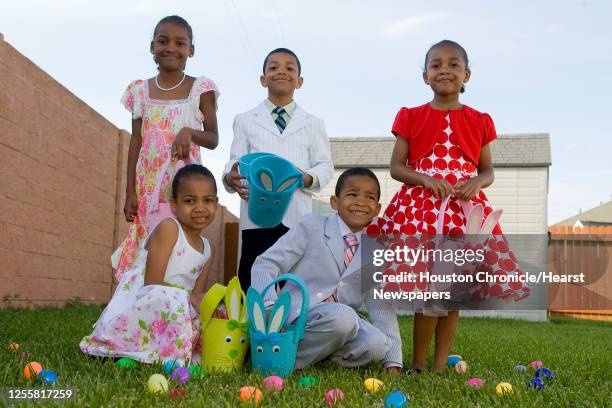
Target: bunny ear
[[474, 220], [244, 317], [286, 184], [256, 310], [279, 314], [266, 180], [490, 222], [233, 299]]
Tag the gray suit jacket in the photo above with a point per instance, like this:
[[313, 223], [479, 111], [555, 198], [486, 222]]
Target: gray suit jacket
[[314, 250]]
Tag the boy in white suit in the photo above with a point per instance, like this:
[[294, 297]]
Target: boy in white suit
[[324, 252], [278, 125]]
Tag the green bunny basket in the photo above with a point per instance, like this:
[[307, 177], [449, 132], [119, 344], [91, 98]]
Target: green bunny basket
[[224, 342]]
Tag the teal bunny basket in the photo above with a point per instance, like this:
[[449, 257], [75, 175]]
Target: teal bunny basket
[[272, 181], [273, 352], [244, 164]]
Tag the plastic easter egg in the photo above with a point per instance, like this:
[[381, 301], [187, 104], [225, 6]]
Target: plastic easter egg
[[250, 393], [180, 375], [14, 346], [306, 382], [273, 383], [461, 367], [32, 370], [520, 368], [48, 377], [504, 388], [126, 362], [170, 365], [545, 374], [535, 383], [157, 384], [536, 364], [333, 396], [456, 355], [177, 393], [373, 384], [475, 382], [397, 399], [452, 360], [195, 371]]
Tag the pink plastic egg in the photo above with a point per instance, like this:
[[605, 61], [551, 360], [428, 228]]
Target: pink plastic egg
[[273, 383], [333, 396], [475, 382]]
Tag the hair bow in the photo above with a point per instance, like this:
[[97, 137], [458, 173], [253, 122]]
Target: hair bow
[[270, 337], [234, 324]]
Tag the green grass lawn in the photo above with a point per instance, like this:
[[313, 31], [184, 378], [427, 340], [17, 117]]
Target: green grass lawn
[[579, 352]]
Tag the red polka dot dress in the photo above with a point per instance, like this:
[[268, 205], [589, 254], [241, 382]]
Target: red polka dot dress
[[414, 210]]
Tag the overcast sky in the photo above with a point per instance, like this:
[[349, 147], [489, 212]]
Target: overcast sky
[[537, 66]]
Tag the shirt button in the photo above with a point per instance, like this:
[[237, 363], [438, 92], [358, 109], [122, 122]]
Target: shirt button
[[320, 295], [342, 284]]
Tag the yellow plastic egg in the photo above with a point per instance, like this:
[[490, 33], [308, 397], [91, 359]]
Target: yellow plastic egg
[[157, 384], [372, 384], [504, 388]]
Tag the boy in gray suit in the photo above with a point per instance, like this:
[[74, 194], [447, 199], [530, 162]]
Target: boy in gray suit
[[324, 252]]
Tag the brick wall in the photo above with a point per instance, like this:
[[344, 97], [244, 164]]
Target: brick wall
[[62, 187]]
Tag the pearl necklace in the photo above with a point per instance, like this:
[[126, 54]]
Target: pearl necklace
[[171, 88]]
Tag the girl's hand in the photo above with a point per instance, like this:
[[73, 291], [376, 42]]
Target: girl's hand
[[130, 209], [440, 188], [182, 144], [196, 299], [234, 179], [467, 189]]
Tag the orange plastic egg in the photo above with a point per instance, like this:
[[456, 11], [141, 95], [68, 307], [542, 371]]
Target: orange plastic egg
[[32, 370]]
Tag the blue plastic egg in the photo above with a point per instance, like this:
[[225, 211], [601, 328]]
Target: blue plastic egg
[[545, 374], [396, 399], [48, 377], [170, 365], [453, 360], [536, 383]]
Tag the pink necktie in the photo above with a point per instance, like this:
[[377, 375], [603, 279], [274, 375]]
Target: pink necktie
[[350, 247]]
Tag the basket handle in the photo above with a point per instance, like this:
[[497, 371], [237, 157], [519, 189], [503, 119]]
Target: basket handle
[[301, 320], [162, 173]]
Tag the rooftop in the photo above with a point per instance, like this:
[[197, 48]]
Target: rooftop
[[520, 150]]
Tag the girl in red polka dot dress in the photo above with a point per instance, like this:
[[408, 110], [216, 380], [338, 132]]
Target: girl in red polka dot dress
[[441, 150]]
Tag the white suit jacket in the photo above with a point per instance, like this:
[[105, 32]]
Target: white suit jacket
[[314, 250], [304, 143]]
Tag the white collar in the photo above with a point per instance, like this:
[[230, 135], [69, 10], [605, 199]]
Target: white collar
[[344, 229]]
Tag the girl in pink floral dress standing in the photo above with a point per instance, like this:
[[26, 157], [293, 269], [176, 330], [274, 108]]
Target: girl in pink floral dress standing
[[172, 115], [154, 312]]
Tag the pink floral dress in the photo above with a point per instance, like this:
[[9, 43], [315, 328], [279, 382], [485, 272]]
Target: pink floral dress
[[414, 212], [154, 322], [161, 121]]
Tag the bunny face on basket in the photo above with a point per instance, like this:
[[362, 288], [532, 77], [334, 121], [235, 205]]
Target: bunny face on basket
[[224, 341], [274, 197], [270, 347]]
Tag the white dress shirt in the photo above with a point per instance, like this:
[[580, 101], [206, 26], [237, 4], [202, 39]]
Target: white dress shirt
[[304, 142]]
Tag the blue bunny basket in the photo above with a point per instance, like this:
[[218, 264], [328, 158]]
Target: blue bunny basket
[[273, 351], [244, 164], [272, 181]]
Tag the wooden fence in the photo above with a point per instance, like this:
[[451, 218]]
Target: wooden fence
[[585, 250]]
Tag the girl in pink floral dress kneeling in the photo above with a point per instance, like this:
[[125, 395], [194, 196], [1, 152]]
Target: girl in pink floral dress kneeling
[[153, 315]]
